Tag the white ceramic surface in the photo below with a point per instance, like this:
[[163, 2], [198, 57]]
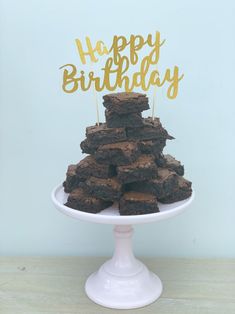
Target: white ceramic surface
[[123, 282], [111, 214]]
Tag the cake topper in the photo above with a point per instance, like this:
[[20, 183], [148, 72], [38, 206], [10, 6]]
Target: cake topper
[[128, 63]]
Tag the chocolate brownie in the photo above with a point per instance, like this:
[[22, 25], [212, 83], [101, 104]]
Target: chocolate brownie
[[152, 129], [106, 189], [154, 147], [174, 164], [160, 160], [80, 200], [182, 191], [87, 147], [101, 134], [118, 153], [89, 167], [144, 168], [160, 187], [72, 180], [135, 203], [114, 120], [123, 103]]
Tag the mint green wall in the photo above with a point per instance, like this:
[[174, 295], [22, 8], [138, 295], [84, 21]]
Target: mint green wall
[[41, 127]]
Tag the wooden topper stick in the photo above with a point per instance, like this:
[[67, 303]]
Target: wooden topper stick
[[96, 104], [96, 99], [154, 101]]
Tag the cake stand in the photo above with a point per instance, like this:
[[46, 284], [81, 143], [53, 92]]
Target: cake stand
[[123, 282]]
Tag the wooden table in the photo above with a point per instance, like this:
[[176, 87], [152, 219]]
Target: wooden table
[[36, 285]]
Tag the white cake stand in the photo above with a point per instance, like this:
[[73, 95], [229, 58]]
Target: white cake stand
[[123, 282]]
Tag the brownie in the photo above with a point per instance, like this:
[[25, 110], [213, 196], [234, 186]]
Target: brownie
[[118, 153], [153, 147], [72, 180], [172, 163], [136, 203], [80, 200], [125, 162], [144, 168], [101, 134], [106, 189], [89, 167], [160, 187], [123, 103], [182, 191], [160, 160], [115, 120], [152, 129], [87, 147]]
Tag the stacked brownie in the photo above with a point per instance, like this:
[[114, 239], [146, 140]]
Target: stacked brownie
[[125, 163]]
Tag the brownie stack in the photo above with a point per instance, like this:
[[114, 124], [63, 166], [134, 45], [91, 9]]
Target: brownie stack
[[125, 163]]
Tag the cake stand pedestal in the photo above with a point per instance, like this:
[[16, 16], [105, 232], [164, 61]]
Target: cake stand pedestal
[[123, 282]]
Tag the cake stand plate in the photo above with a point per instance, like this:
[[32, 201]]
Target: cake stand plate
[[123, 282]]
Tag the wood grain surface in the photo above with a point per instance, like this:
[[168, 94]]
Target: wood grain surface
[[40, 285]]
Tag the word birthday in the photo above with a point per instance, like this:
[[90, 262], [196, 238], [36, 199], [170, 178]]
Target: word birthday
[[121, 57]]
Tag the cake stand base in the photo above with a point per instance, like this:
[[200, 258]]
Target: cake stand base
[[123, 282]]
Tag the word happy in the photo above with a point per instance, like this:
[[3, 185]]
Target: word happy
[[121, 56]]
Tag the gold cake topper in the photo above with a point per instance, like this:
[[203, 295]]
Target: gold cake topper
[[122, 55]]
